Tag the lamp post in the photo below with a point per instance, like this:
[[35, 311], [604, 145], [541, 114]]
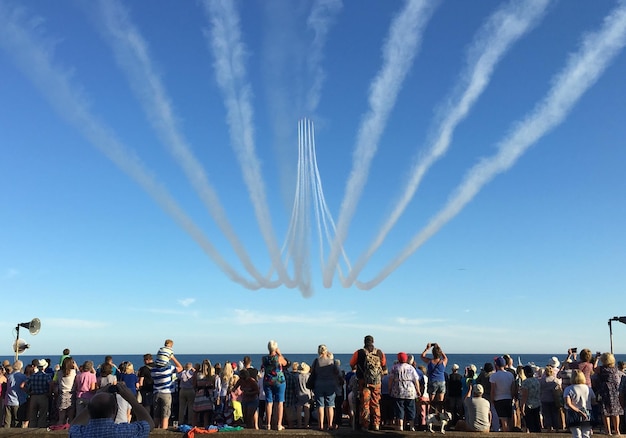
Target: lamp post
[[621, 319]]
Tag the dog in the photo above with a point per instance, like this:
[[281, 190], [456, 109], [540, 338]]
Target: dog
[[438, 419]]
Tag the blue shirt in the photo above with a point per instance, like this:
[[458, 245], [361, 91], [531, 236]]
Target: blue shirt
[[107, 428], [38, 383], [15, 395]]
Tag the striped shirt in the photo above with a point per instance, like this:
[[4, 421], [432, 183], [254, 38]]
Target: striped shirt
[[162, 377]]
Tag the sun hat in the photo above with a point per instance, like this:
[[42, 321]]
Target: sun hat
[[42, 363], [554, 362]]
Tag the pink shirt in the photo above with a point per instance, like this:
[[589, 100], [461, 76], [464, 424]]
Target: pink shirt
[[84, 382]]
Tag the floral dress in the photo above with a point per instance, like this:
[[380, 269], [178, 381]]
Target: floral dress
[[273, 371], [609, 380]]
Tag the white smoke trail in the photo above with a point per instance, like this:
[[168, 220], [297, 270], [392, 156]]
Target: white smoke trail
[[133, 56], [320, 19], [501, 30], [398, 53], [37, 64], [581, 71], [225, 40]]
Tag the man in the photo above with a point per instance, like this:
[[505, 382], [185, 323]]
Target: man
[[477, 412], [15, 401], [98, 418], [39, 388], [502, 392], [454, 394], [146, 386], [369, 362], [109, 360], [163, 389]]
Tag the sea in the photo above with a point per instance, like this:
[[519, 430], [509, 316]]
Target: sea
[[463, 360]]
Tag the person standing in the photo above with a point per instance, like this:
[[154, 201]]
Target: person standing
[[15, 400], [327, 374], [163, 388], [146, 385], [578, 399], [186, 394], [370, 362], [502, 391], [404, 388], [274, 384], [39, 388], [609, 379], [436, 371], [530, 400]]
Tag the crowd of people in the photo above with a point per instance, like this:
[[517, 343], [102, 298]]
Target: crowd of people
[[578, 394]]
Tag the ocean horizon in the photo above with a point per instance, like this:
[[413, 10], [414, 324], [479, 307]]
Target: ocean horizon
[[462, 360]]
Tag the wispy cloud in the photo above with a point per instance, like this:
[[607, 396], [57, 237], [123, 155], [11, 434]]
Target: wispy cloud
[[418, 321], [250, 317], [186, 302], [401, 47], [10, 273], [581, 71], [65, 323]]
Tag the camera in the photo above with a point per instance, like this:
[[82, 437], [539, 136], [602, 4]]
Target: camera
[[574, 349], [433, 344], [598, 353]]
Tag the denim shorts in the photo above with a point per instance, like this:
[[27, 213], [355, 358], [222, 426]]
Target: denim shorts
[[274, 393], [436, 387], [325, 399]]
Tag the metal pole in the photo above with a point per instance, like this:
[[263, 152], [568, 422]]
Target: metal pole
[[17, 347], [611, 334]]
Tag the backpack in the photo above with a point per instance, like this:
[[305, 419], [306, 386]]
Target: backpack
[[372, 368]]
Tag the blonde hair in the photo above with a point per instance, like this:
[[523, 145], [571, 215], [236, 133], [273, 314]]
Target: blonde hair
[[322, 351], [169, 343], [549, 371], [608, 360], [304, 368], [272, 346], [578, 377]]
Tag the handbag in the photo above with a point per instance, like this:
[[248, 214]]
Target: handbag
[[573, 418]]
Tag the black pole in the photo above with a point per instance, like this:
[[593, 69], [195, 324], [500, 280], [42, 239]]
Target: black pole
[[611, 335]]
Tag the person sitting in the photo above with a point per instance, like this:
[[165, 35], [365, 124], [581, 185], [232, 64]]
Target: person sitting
[[98, 418], [477, 412]]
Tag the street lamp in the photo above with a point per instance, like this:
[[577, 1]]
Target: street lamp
[[621, 319]]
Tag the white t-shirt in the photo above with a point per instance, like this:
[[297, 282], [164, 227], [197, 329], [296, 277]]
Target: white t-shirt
[[502, 385]]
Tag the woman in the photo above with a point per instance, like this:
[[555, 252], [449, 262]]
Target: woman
[[578, 398], [204, 401], [530, 399], [586, 364], [126, 374], [326, 376], [186, 394], [303, 396], [274, 384], [549, 384], [65, 379], [249, 397], [608, 388], [436, 372], [85, 386], [404, 387]]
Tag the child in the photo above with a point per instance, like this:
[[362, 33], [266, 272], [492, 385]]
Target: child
[[164, 354]]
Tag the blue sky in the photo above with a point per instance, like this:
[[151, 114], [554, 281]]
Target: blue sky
[[133, 135]]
